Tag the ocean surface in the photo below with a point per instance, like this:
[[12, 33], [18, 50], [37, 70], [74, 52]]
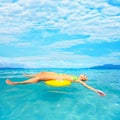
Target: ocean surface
[[74, 102]]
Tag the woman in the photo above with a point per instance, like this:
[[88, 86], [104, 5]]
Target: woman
[[45, 76]]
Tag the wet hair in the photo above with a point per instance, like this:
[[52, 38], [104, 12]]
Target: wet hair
[[85, 77]]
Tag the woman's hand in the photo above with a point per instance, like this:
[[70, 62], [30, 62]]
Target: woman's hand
[[101, 93]]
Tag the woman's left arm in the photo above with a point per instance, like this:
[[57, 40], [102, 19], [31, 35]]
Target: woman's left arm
[[91, 88]]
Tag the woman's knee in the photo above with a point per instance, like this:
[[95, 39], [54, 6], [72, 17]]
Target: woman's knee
[[40, 74], [43, 73], [35, 80]]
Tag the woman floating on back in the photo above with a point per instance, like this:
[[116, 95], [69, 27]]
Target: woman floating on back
[[46, 76]]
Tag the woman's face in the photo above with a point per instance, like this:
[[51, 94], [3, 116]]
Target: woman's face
[[83, 77]]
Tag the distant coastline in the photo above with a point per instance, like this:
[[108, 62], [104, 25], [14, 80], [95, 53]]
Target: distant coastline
[[105, 66], [11, 68]]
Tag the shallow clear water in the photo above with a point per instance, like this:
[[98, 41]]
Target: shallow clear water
[[42, 102]]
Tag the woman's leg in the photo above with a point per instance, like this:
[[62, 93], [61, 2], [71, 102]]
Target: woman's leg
[[34, 75], [30, 81]]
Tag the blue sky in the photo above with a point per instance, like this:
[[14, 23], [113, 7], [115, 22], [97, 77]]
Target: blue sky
[[59, 33]]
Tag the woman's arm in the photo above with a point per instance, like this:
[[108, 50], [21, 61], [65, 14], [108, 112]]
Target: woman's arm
[[91, 88]]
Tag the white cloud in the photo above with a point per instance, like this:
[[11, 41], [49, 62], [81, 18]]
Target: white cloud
[[110, 10], [115, 54], [61, 59], [97, 19], [70, 17], [64, 44], [7, 40], [23, 44]]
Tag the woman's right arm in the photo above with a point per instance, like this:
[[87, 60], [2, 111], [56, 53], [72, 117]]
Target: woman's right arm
[[91, 88]]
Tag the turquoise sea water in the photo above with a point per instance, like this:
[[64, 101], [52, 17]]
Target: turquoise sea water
[[42, 102]]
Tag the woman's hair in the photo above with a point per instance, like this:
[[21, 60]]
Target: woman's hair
[[83, 77]]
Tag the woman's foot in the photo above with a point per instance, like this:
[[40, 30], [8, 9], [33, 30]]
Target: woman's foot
[[27, 75], [10, 82]]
